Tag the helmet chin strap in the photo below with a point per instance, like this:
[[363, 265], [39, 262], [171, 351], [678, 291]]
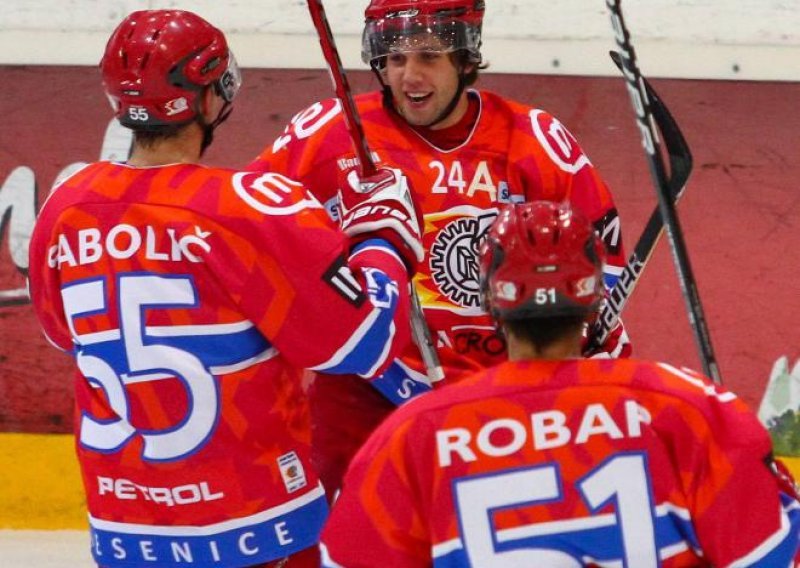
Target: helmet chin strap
[[451, 106], [388, 98], [208, 128]]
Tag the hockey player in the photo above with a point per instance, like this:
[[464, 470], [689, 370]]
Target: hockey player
[[551, 459], [191, 300], [467, 152]]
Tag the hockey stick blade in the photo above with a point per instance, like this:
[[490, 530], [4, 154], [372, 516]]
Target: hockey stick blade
[[419, 327], [680, 156], [645, 122], [681, 163]]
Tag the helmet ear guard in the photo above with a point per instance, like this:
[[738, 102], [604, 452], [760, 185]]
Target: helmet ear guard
[[541, 260]]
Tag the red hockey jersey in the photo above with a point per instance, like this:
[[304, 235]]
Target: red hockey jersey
[[571, 463], [191, 298], [514, 153]]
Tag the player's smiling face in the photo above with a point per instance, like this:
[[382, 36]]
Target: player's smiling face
[[423, 81]]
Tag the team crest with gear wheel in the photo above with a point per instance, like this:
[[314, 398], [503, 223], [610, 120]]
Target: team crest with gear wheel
[[454, 255]]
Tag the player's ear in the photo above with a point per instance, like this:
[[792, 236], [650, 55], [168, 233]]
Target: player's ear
[[462, 63], [210, 104]]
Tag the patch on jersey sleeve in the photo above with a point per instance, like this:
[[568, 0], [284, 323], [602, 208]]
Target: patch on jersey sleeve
[[340, 278], [272, 193], [292, 472], [559, 144]]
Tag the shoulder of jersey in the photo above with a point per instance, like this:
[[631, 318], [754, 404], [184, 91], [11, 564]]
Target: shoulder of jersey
[[501, 117], [322, 125], [660, 378], [473, 387], [165, 184], [643, 376], [494, 103], [497, 104], [369, 101], [74, 180], [271, 193], [552, 138], [689, 384], [321, 130]]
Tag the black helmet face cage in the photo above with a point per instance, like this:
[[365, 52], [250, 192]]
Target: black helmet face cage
[[402, 34]]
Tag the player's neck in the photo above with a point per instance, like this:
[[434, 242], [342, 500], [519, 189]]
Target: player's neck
[[457, 114], [181, 149], [566, 348], [454, 132]]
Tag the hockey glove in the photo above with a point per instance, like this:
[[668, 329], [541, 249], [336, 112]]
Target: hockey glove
[[382, 206], [617, 344]]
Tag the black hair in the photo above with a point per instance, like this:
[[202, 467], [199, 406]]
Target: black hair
[[150, 136], [543, 332], [462, 59]]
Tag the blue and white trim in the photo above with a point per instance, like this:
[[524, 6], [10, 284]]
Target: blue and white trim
[[268, 535]]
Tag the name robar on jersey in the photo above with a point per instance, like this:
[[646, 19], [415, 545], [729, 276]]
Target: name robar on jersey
[[191, 298], [514, 153], [567, 463]]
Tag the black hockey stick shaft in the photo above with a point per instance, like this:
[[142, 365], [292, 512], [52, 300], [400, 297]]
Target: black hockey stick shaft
[[644, 118], [681, 162], [419, 327]]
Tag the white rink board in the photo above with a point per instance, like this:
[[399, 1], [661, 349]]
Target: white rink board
[[45, 549], [722, 39]]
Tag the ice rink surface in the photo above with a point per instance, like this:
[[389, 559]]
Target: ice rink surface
[[45, 549]]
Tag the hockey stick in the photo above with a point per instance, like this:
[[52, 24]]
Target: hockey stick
[[680, 160], [419, 328], [644, 118]]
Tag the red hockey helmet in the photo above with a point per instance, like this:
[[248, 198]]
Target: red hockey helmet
[[541, 259], [407, 25], [157, 64]]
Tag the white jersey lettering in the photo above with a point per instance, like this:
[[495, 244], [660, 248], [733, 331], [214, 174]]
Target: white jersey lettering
[[544, 430]]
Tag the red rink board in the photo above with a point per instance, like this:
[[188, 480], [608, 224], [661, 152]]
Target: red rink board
[[740, 213]]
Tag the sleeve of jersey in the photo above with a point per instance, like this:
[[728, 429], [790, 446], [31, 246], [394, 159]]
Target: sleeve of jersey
[[589, 193], [320, 307], [43, 288], [564, 172], [376, 520], [302, 150], [740, 514]]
